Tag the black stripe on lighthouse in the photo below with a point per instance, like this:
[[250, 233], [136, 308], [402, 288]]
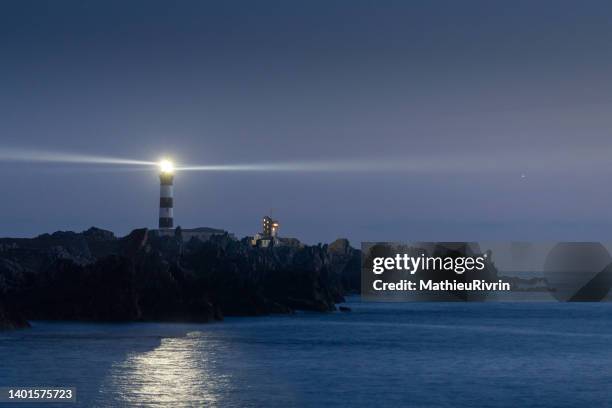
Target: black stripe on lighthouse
[[165, 222], [166, 202]]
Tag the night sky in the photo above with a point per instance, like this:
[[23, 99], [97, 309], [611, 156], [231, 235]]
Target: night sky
[[503, 108]]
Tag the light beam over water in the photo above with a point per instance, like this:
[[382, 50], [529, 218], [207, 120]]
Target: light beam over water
[[22, 155], [549, 160]]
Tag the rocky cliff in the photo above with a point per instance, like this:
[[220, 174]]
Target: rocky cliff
[[94, 275], [11, 320]]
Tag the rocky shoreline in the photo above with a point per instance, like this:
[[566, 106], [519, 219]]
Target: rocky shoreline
[[95, 276], [11, 320]]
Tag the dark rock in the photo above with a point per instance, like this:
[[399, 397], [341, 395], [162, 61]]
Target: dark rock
[[148, 276], [96, 234], [346, 264], [344, 308], [11, 320]]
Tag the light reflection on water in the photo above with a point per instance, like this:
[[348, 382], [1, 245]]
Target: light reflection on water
[[177, 370], [393, 355]]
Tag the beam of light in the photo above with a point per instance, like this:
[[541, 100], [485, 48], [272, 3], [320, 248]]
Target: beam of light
[[340, 166], [545, 160], [424, 163], [305, 166], [20, 155], [381, 164], [433, 165]]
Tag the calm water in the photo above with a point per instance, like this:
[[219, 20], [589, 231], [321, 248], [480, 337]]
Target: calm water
[[381, 354]]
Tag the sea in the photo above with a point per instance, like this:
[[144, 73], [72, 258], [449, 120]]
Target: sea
[[531, 354]]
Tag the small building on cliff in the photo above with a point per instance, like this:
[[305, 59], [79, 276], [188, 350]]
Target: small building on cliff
[[269, 236]]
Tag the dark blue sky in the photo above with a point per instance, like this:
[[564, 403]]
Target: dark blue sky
[[497, 89]]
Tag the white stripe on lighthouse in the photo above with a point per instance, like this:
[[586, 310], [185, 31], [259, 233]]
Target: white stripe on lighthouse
[[166, 191], [166, 212]]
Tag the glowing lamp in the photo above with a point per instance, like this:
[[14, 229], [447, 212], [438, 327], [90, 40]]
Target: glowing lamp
[[166, 166]]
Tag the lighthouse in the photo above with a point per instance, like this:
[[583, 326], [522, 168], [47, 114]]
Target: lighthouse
[[166, 195]]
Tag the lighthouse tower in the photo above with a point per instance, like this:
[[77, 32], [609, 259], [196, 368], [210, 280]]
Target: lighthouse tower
[[166, 195]]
